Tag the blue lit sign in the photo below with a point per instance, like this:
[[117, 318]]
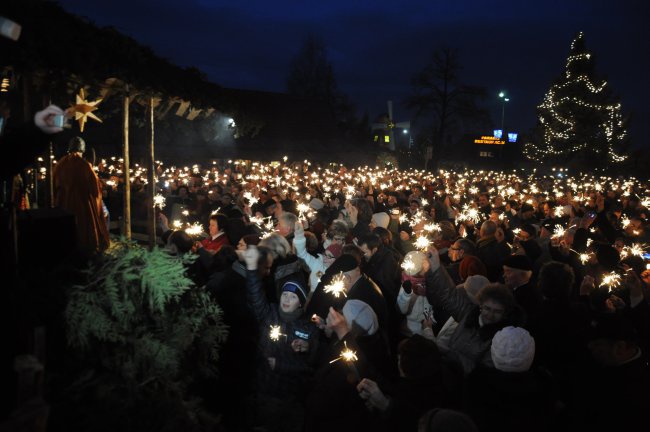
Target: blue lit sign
[[512, 137], [498, 133]]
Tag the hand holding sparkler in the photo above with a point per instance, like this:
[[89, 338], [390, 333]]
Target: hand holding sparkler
[[349, 356], [353, 212], [337, 323], [298, 230], [433, 261], [370, 392], [164, 222], [319, 321]]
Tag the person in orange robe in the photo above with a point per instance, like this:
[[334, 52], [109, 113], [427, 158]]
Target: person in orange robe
[[77, 189]]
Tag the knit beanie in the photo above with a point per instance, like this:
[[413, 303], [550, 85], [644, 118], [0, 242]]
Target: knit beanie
[[316, 204], [381, 219], [358, 312], [335, 249], [471, 265], [297, 289], [513, 349]]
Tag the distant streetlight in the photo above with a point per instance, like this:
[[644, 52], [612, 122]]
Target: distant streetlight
[[504, 99], [408, 131]]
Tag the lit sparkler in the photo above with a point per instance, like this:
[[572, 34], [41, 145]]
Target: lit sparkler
[[159, 201], [422, 243], [275, 333], [336, 287], [611, 280], [635, 249], [432, 227], [408, 264], [625, 221], [349, 357], [559, 231], [194, 229]]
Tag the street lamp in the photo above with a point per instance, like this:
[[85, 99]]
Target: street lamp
[[504, 99], [408, 131]]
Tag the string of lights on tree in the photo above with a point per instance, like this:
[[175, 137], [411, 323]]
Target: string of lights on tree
[[578, 115]]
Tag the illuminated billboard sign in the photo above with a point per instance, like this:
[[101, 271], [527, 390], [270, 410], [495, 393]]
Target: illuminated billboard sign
[[489, 140]]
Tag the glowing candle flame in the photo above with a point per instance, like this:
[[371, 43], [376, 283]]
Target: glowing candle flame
[[336, 287]]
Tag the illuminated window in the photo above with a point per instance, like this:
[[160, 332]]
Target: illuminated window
[[386, 138], [376, 138]]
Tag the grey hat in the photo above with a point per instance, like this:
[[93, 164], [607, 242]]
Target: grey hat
[[77, 144], [358, 312]]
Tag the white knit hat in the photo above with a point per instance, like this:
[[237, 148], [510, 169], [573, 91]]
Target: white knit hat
[[316, 204], [357, 311], [513, 349], [381, 219]]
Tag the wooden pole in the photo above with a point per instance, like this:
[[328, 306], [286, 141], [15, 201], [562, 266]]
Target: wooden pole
[[126, 217], [151, 177]]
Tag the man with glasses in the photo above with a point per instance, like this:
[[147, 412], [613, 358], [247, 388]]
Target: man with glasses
[[457, 253]]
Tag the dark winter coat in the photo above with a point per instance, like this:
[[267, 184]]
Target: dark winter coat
[[510, 401], [492, 253], [291, 368]]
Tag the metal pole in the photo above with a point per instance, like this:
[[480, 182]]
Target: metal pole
[[151, 176], [126, 216], [50, 177], [503, 113]]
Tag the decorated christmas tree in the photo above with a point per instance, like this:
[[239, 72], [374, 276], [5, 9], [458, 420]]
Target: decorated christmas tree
[[580, 121]]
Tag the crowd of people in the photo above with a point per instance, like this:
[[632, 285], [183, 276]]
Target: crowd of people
[[400, 300]]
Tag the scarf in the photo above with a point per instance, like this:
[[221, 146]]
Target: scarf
[[288, 317]]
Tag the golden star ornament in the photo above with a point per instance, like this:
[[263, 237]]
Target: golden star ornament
[[83, 109]]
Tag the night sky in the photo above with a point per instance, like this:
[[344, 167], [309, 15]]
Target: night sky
[[377, 46]]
